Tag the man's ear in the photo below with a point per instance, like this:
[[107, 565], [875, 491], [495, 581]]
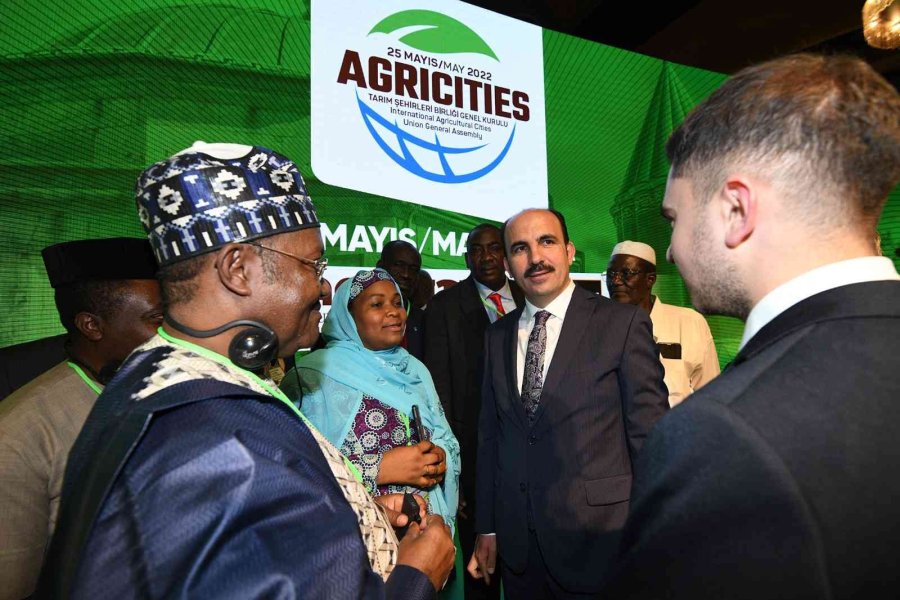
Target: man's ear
[[570, 251], [234, 263], [651, 279], [738, 209], [90, 326]]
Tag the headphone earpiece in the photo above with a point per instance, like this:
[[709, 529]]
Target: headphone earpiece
[[251, 349]]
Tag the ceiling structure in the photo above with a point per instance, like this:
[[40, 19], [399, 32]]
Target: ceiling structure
[[717, 35]]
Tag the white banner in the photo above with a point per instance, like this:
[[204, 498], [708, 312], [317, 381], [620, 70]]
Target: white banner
[[440, 103]]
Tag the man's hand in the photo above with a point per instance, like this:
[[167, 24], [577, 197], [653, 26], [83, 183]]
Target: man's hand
[[429, 549], [484, 559], [422, 465], [393, 506]]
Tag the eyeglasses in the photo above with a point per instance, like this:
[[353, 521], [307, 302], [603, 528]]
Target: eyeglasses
[[625, 274], [319, 265]]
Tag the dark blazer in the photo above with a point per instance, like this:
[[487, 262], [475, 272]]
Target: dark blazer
[[779, 479], [454, 354], [603, 392], [415, 331]]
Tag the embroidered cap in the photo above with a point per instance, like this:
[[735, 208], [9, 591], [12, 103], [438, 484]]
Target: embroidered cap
[[364, 279], [211, 194]]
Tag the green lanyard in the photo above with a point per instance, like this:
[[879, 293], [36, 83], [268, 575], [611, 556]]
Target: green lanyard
[[90, 382], [275, 392]]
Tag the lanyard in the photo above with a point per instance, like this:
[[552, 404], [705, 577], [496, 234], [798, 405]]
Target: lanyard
[[491, 305], [90, 382], [273, 391]]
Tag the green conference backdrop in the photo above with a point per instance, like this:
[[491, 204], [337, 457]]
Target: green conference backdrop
[[93, 91]]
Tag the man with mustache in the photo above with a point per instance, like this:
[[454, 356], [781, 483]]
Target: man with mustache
[[456, 320], [572, 385], [682, 335], [108, 300], [193, 477]]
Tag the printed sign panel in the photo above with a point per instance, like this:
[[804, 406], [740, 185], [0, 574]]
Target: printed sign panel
[[438, 103]]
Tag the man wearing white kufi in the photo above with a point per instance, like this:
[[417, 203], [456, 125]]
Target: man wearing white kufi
[[682, 334]]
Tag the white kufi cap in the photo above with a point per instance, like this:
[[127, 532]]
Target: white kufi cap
[[639, 249]]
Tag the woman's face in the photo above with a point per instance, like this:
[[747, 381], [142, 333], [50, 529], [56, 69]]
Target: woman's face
[[379, 315]]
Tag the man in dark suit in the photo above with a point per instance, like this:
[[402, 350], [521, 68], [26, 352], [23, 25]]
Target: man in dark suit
[[403, 262], [779, 478], [572, 385], [456, 320]]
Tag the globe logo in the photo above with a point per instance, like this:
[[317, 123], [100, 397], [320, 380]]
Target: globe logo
[[408, 162], [439, 34]]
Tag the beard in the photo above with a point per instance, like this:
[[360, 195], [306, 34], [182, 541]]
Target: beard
[[714, 285]]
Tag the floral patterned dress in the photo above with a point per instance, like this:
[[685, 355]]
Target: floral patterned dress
[[376, 429]]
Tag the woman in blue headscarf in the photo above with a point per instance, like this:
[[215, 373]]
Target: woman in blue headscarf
[[359, 391]]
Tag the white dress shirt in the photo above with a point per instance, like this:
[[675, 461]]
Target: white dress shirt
[[506, 299], [821, 279], [557, 310]]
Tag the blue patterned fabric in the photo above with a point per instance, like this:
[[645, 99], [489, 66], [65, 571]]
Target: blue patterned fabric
[[225, 495], [193, 203]]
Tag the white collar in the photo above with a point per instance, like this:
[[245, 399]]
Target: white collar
[[820, 279], [484, 291], [557, 306]]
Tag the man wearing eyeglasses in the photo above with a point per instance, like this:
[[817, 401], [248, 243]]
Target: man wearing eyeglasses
[[682, 335], [194, 477]]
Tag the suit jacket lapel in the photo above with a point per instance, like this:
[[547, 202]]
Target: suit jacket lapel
[[471, 306], [510, 324], [581, 307]]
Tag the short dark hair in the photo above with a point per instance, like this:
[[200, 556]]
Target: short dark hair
[[177, 281], [828, 126], [553, 211], [389, 248], [99, 297], [481, 227]]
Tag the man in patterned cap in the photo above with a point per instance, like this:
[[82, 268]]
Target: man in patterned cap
[[108, 301], [193, 476]]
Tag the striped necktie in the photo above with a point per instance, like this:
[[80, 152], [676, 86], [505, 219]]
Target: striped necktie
[[498, 302]]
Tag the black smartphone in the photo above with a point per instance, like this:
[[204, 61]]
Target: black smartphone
[[420, 427], [410, 508]]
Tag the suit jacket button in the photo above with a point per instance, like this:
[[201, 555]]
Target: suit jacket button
[[523, 486], [531, 440]]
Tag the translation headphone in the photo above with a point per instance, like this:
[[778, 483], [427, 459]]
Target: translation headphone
[[251, 349]]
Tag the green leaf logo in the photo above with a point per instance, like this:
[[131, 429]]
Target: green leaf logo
[[437, 33]]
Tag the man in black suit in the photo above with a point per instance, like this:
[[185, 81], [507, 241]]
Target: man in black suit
[[403, 262], [572, 385], [779, 478], [456, 320]]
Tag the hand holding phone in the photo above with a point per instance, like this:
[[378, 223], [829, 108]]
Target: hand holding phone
[[420, 427], [410, 508]]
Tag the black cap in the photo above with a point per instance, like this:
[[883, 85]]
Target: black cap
[[110, 258]]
